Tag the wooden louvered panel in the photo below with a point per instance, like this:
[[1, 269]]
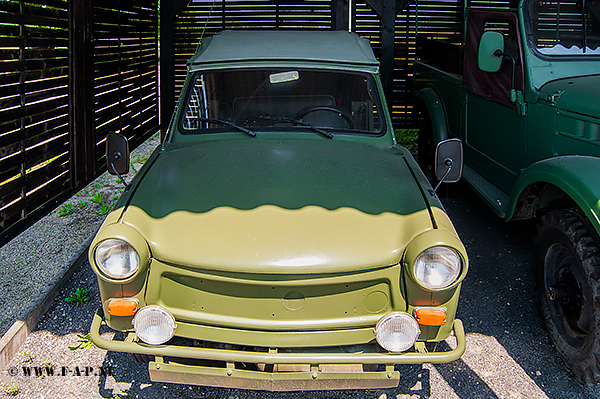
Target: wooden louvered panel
[[125, 61], [204, 15], [34, 93], [36, 149]]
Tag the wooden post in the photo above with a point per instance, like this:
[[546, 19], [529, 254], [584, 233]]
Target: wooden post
[[168, 11], [81, 93], [340, 15], [387, 11]]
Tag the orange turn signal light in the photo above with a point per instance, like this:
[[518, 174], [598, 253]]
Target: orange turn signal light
[[431, 316], [122, 307]]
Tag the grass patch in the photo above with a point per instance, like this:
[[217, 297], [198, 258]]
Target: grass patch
[[85, 342], [408, 138], [11, 388], [79, 296], [66, 210]]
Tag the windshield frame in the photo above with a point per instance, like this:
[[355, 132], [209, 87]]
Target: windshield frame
[[528, 24], [372, 82]]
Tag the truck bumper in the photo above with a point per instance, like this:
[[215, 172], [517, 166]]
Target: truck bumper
[[307, 371]]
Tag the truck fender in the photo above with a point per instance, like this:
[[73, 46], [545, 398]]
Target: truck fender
[[575, 175], [430, 99]]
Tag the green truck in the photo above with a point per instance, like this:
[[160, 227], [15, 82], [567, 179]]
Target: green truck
[[279, 238], [522, 92]]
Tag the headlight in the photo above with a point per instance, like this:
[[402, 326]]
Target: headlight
[[116, 258], [154, 325], [437, 267], [397, 332]]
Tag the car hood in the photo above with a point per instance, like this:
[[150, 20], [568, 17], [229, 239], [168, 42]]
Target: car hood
[[579, 95], [255, 205]]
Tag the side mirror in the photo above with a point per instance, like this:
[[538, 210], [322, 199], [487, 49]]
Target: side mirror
[[448, 163], [117, 154], [491, 49]]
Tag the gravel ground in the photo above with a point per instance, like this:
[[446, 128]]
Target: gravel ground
[[31, 260], [508, 353]]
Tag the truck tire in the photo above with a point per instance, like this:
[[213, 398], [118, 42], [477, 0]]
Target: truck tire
[[426, 147], [568, 263]]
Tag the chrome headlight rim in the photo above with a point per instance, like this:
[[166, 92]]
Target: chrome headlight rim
[[405, 318], [169, 319], [128, 234], [457, 278], [112, 242]]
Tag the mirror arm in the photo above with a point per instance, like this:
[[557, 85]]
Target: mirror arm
[[499, 53], [117, 156], [448, 163]]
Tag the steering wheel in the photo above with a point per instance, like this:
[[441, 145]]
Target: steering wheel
[[344, 113]]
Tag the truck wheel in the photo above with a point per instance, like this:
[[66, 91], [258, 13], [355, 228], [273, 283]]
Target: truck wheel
[[426, 147], [568, 262]]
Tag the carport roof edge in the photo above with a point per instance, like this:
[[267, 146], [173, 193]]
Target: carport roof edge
[[285, 47]]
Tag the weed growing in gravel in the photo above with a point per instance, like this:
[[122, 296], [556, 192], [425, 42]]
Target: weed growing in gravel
[[83, 193], [47, 367], [29, 356], [11, 389], [85, 342], [140, 160], [105, 209], [82, 203], [79, 296], [66, 209], [97, 198], [120, 395]]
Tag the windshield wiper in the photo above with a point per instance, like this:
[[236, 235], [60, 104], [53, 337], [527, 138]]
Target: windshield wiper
[[300, 122], [223, 122]]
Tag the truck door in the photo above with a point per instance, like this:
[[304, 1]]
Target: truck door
[[494, 133]]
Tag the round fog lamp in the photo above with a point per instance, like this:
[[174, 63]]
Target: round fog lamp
[[154, 325], [397, 332]]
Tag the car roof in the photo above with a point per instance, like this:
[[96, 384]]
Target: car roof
[[285, 48]]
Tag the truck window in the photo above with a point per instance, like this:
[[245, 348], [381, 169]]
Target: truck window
[[564, 28], [495, 86]]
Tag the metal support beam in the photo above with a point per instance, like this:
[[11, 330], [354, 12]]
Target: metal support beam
[[81, 93], [168, 11], [340, 15], [387, 11]]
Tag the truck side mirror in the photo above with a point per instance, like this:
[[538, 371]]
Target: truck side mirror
[[448, 163], [490, 45]]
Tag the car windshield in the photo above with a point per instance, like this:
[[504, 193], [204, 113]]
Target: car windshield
[[262, 100], [564, 28]]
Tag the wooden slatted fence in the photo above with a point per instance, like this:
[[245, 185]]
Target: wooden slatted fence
[[37, 141]]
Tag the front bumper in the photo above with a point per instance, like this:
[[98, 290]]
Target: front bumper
[[318, 377]]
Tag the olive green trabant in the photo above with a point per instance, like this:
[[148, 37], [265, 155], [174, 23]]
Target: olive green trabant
[[279, 238]]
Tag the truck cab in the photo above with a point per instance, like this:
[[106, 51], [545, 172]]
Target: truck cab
[[521, 91]]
